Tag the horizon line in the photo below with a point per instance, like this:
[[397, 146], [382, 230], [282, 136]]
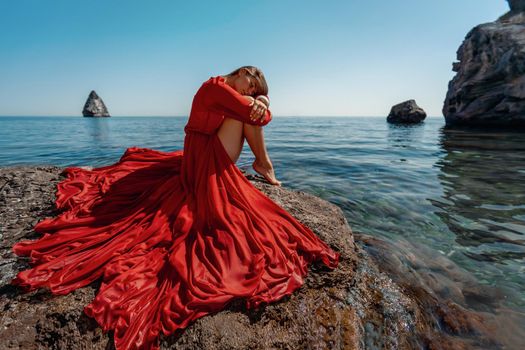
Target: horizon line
[[185, 116]]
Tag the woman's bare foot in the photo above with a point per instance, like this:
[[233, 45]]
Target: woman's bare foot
[[266, 170]]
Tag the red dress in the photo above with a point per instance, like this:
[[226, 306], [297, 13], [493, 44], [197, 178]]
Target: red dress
[[173, 235]]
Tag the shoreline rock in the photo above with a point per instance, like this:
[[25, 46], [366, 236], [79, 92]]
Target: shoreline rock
[[356, 306], [94, 106], [407, 112]]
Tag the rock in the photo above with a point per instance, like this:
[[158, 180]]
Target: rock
[[356, 306], [489, 87], [94, 106], [406, 112], [517, 5]]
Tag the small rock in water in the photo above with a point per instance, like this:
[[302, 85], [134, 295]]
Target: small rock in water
[[94, 106], [406, 112]]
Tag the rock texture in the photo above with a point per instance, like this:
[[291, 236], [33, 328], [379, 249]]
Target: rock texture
[[489, 87], [517, 5], [406, 112], [359, 305], [94, 106]]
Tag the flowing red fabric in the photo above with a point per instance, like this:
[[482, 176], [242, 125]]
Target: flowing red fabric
[[173, 235]]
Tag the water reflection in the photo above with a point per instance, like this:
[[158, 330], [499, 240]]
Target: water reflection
[[98, 129], [404, 135], [483, 179]]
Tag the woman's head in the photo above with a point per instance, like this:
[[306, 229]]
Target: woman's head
[[248, 80]]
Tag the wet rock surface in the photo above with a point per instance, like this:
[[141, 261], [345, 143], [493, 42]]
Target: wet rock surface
[[94, 106], [371, 301], [407, 112], [489, 87], [451, 298]]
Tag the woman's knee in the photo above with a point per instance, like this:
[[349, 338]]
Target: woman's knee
[[230, 122]]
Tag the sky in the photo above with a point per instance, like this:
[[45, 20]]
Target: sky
[[148, 58]]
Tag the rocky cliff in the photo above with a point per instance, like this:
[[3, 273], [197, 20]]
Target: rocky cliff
[[516, 5], [489, 87]]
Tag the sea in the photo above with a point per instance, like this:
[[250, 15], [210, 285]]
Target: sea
[[434, 193]]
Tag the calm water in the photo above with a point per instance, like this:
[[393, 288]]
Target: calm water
[[459, 195]]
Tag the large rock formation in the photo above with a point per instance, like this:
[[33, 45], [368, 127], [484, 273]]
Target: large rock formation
[[517, 5], [366, 303], [94, 106], [489, 87], [406, 112]]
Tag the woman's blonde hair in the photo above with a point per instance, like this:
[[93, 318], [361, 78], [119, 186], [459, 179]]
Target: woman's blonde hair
[[262, 86]]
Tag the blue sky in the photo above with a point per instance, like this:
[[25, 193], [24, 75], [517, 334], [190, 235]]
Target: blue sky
[[320, 58]]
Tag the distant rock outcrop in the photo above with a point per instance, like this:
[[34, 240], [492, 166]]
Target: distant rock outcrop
[[406, 112], [94, 106], [489, 87]]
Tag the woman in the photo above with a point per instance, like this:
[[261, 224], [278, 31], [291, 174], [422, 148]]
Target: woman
[[250, 82], [176, 235]]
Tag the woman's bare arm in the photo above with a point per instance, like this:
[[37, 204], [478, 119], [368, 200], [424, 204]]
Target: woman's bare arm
[[264, 100], [222, 98]]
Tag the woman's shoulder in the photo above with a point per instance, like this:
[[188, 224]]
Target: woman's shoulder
[[216, 80], [210, 87], [206, 85], [213, 85]]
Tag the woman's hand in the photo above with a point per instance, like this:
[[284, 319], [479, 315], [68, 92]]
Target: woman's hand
[[249, 98], [258, 110], [264, 99]]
